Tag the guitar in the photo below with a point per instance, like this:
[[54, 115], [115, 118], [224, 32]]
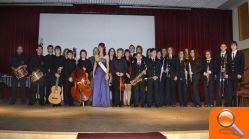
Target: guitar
[[55, 95]]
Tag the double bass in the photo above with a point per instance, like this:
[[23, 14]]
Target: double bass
[[81, 89]]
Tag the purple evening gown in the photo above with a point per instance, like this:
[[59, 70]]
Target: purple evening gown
[[101, 93]]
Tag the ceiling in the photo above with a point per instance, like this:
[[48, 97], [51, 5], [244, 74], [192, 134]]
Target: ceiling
[[148, 3]]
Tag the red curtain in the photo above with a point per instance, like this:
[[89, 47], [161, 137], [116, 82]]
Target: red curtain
[[197, 28]]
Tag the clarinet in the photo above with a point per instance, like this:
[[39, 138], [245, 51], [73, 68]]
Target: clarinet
[[162, 70], [186, 73], [167, 72], [190, 75], [208, 76]]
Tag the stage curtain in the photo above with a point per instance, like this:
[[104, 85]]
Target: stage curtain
[[197, 28]]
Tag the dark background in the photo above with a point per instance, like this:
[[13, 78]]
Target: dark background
[[196, 28]]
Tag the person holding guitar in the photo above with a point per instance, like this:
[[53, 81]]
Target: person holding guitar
[[20, 60]]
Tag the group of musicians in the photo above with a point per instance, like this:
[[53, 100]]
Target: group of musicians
[[134, 79]]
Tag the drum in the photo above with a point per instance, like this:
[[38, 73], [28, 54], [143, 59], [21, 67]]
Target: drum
[[21, 72], [36, 75]]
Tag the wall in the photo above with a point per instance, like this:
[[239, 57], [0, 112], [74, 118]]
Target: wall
[[245, 43]]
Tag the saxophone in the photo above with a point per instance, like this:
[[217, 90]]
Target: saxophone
[[138, 78]]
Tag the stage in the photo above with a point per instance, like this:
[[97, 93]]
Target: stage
[[71, 120]]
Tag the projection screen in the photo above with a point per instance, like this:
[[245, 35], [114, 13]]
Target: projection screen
[[85, 31]]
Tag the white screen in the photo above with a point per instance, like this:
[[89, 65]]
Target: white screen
[[85, 31]]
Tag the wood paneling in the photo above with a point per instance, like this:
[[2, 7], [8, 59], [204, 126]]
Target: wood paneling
[[243, 15]]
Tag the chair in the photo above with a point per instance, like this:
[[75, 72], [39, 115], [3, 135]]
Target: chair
[[243, 89]]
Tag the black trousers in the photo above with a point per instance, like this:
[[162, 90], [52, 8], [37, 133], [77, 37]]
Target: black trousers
[[49, 83], [14, 86], [67, 92], [231, 94], [38, 87], [170, 91], [221, 89], [138, 94], [209, 91], [194, 87], [182, 89], [117, 95], [153, 88]]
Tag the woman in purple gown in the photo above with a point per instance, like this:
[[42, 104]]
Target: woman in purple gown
[[101, 93]]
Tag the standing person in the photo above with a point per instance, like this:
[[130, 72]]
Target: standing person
[[92, 58], [209, 70], [37, 62], [58, 64], [171, 78], [182, 78], [138, 90], [186, 53], [101, 92], [221, 81], [159, 56], [153, 74], [162, 77], [49, 70], [164, 52], [68, 66], [112, 56], [139, 49], [235, 70], [194, 74], [65, 53], [20, 60], [85, 64], [127, 91], [132, 50], [119, 69]]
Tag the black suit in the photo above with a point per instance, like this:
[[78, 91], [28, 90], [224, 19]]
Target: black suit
[[196, 68], [235, 66], [170, 83], [154, 69], [221, 83], [138, 91], [49, 74], [68, 68], [37, 63], [15, 62], [209, 65], [118, 65], [181, 81]]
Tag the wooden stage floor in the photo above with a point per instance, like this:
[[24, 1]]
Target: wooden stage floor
[[95, 119]]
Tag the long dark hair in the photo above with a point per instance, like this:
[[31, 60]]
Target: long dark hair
[[104, 48], [83, 51], [109, 51], [197, 60], [127, 51]]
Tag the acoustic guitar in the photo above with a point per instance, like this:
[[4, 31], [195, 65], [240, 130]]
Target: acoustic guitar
[[55, 95]]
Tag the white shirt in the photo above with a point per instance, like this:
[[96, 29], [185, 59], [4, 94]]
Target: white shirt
[[223, 53], [234, 53]]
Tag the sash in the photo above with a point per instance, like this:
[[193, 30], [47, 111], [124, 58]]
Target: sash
[[102, 66]]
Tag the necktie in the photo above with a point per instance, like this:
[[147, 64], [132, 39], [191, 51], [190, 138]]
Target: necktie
[[208, 61], [233, 57], [222, 55]]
